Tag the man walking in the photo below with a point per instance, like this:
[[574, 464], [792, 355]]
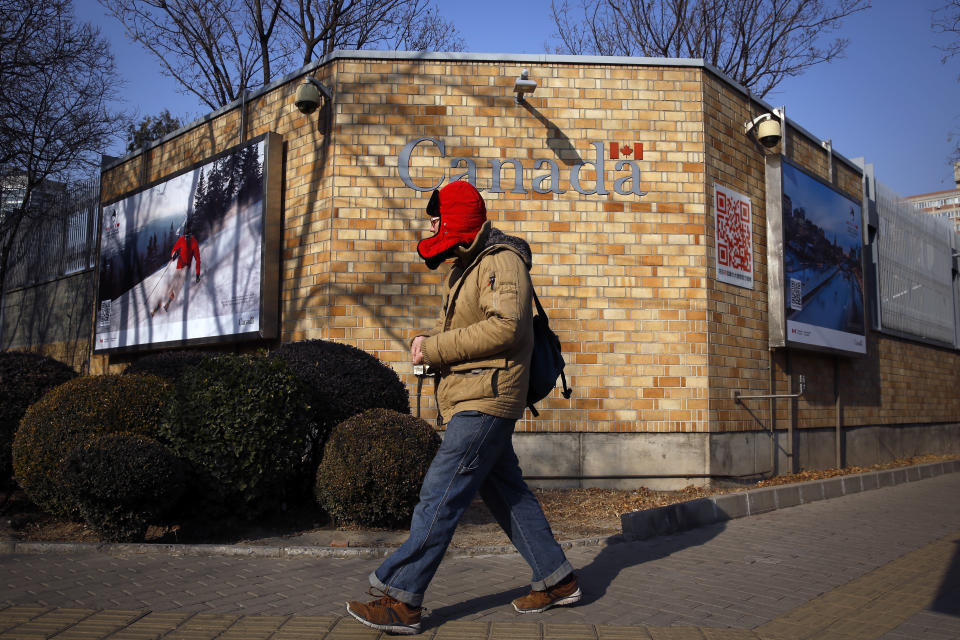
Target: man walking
[[481, 351]]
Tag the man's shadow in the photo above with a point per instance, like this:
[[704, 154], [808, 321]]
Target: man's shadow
[[596, 577], [947, 599]]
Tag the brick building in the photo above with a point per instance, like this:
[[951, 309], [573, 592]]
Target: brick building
[[609, 170]]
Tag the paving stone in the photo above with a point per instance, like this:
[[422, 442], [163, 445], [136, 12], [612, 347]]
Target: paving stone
[[659, 633], [762, 500], [728, 634], [350, 629], [697, 513], [810, 492], [463, 631], [617, 632], [886, 478], [851, 484], [832, 488], [869, 481], [788, 496], [515, 631], [731, 505]]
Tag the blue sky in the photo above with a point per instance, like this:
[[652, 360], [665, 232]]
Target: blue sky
[[890, 100]]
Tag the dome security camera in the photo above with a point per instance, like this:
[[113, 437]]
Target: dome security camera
[[769, 134], [308, 95], [308, 98]]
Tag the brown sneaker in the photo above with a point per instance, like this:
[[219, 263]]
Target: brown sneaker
[[566, 591], [387, 614]]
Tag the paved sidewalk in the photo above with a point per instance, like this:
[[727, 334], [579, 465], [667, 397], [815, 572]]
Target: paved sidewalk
[[879, 564]]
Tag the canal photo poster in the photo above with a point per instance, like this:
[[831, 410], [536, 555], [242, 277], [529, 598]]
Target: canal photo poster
[[733, 218], [822, 263], [182, 261]]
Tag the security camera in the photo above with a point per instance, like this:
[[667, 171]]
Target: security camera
[[308, 95], [769, 134], [524, 85], [768, 129]]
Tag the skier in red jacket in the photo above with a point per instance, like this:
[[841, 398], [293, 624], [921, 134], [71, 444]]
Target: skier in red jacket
[[185, 251]]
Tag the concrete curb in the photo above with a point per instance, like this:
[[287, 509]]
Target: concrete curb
[[262, 551], [641, 525]]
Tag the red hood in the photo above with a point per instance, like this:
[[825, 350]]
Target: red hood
[[462, 212]]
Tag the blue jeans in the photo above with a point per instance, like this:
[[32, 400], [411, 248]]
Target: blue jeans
[[476, 455]]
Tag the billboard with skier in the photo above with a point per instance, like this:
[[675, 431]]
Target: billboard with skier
[[194, 257]]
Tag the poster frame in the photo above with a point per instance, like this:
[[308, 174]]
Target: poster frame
[[271, 211], [776, 272]]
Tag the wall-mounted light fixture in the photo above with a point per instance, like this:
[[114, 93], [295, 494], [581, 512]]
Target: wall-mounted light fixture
[[767, 127], [308, 95], [523, 85]]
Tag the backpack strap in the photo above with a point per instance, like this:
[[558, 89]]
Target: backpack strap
[[536, 300], [567, 391]]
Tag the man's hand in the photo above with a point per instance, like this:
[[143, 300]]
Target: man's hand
[[416, 354]]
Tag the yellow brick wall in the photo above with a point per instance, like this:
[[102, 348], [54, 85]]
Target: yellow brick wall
[[810, 155], [622, 277], [653, 343], [738, 329]]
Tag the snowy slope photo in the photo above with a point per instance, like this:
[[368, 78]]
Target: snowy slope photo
[[183, 260]]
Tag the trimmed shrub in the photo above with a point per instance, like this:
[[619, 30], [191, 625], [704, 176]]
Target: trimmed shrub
[[241, 423], [24, 378], [342, 381], [373, 466], [122, 483], [71, 415], [168, 365]]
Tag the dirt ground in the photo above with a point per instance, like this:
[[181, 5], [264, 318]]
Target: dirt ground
[[573, 514]]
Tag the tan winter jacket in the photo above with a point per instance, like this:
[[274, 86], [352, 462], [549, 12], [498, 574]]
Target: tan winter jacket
[[483, 341]]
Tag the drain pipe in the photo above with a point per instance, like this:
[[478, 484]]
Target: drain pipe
[[836, 396]]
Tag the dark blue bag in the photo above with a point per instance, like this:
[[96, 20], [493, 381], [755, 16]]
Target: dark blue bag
[[546, 363]]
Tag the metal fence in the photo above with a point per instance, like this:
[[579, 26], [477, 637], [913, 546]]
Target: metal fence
[[915, 271], [57, 238]]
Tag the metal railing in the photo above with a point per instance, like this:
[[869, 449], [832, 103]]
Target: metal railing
[[737, 397], [58, 236]]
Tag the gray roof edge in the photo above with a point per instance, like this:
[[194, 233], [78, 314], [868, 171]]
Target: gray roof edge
[[363, 54]]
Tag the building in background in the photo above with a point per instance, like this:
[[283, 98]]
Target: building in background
[[942, 204], [48, 289]]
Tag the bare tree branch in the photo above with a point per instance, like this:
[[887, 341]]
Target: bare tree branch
[[758, 43], [58, 80], [215, 48], [212, 48], [946, 20], [325, 25]]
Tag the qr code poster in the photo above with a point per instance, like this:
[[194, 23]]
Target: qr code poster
[[734, 221]]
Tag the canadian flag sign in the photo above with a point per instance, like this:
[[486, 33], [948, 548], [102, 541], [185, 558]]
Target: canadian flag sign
[[617, 150]]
